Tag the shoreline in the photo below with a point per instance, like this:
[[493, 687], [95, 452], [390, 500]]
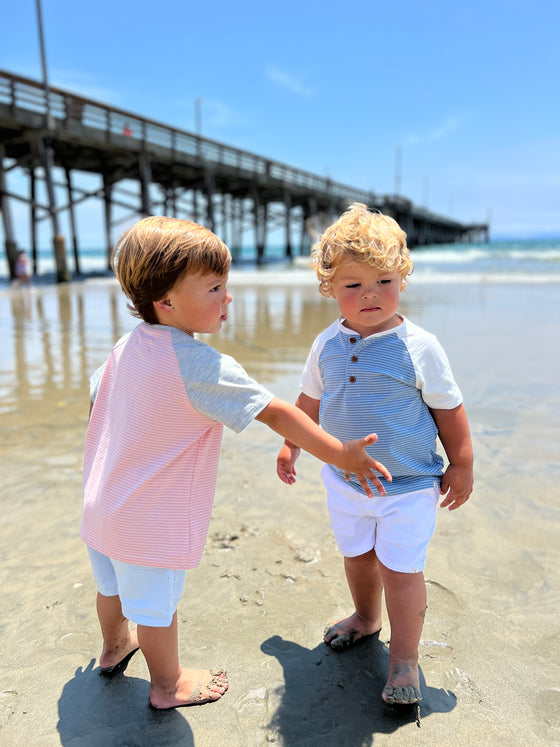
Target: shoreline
[[296, 278]]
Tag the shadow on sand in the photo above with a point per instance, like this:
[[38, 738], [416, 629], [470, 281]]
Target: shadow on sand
[[335, 699], [94, 711]]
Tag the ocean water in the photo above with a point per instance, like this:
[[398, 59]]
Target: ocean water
[[535, 261], [507, 260]]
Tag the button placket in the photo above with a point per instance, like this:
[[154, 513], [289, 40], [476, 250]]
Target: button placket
[[353, 359]]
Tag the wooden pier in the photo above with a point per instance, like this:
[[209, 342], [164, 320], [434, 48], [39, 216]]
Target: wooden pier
[[52, 135]]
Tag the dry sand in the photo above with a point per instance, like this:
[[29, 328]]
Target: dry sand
[[271, 577]]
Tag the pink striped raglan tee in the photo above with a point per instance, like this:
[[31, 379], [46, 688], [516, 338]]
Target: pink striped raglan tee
[[153, 441]]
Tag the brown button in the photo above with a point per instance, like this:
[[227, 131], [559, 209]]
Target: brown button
[[352, 340], [354, 358], [352, 379]]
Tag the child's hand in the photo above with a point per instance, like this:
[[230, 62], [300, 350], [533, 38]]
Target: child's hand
[[358, 461], [456, 485], [285, 463]]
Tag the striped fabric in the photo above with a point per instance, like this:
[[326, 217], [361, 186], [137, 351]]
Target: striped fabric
[[152, 447], [384, 384]]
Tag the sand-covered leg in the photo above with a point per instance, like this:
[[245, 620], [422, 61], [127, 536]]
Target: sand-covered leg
[[405, 595], [171, 686], [364, 580], [119, 642]]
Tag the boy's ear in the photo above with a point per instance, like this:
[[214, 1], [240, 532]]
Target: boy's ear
[[164, 305]]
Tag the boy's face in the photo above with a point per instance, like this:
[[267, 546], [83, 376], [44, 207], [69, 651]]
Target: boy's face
[[368, 298], [196, 303]]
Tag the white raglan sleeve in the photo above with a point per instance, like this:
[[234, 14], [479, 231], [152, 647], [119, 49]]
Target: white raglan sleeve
[[311, 382], [433, 373]]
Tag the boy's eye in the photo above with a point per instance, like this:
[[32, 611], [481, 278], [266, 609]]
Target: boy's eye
[[353, 285], [384, 282], [215, 289]]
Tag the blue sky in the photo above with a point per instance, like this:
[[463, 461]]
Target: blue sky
[[466, 92]]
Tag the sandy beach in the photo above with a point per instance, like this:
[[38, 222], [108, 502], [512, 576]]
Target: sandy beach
[[271, 577]]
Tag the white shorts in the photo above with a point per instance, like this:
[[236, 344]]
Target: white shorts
[[149, 596], [399, 527]]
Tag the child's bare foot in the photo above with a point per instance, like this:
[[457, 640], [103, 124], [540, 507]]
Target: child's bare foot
[[115, 660], [345, 633], [195, 687], [403, 684]]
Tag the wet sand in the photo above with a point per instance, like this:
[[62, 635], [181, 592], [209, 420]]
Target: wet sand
[[271, 577]]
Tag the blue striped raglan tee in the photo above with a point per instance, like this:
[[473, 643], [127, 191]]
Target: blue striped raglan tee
[[384, 384]]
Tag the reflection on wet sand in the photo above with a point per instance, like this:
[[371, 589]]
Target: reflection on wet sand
[[53, 338]]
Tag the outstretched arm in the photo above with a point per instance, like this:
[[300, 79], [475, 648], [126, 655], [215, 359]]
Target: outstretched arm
[[299, 429], [454, 434]]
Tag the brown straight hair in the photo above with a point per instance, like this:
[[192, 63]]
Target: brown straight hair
[[156, 252]]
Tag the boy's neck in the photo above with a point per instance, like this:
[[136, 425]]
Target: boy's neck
[[396, 321]]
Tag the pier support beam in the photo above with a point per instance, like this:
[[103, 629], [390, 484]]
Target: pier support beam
[[145, 181], [225, 222], [210, 188], [62, 274], [237, 209], [195, 204], [9, 237], [308, 214], [107, 194], [170, 200], [260, 215], [72, 220], [288, 225], [33, 219]]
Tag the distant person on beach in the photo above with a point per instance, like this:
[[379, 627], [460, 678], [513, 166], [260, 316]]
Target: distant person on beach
[[373, 369], [21, 269], [158, 408]]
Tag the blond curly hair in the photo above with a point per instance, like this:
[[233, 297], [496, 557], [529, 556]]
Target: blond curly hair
[[361, 235]]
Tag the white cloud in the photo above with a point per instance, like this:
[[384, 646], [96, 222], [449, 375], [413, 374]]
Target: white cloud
[[436, 133], [289, 81]]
